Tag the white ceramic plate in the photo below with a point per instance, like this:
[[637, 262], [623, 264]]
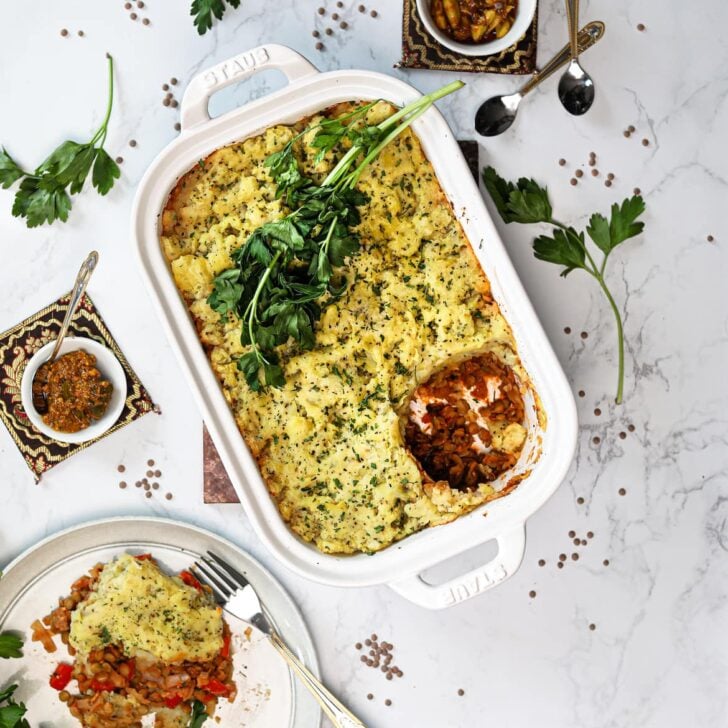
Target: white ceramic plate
[[268, 696], [110, 369]]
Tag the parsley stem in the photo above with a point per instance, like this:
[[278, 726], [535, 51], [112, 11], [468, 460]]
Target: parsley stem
[[102, 130], [597, 272], [251, 312]]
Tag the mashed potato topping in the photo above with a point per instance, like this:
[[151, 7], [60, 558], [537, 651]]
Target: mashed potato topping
[[149, 613], [329, 443]]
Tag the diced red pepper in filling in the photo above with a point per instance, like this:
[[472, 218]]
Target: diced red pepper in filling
[[102, 686], [225, 651], [61, 676], [144, 557], [189, 579], [215, 687], [173, 701]]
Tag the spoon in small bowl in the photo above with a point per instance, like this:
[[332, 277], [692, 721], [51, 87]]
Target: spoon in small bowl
[[84, 275], [576, 88], [497, 113]]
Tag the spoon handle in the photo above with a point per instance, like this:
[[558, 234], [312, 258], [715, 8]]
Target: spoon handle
[[587, 37], [79, 288], [572, 21]]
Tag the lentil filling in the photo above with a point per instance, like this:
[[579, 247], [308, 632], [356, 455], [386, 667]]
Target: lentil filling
[[459, 422], [75, 392]]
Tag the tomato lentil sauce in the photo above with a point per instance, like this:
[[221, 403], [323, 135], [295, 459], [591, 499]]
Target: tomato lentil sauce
[[117, 691], [465, 424], [75, 392], [474, 21]]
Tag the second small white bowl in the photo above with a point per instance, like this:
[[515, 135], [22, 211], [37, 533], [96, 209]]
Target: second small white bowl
[[524, 16], [110, 369]]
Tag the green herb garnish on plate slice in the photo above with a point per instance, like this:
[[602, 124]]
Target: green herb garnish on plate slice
[[527, 202], [203, 11], [197, 717], [11, 646], [44, 196]]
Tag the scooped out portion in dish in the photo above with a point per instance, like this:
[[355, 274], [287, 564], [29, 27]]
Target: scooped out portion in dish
[[329, 439], [465, 424], [142, 643], [75, 393]]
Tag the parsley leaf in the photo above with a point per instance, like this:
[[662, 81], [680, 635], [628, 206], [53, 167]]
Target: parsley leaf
[[524, 202], [621, 226], [203, 10], [44, 195], [10, 172], [528, 202], [565, 247], [10, 645], [198, 715], [11, 713]]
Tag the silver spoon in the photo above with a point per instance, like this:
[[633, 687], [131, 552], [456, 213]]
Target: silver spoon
[[497, 113], [79, 288], [576, 88]]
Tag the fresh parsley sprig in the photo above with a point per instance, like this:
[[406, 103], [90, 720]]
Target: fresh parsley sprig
[[44, 195], [527, 202], [203, 10], [288, 265]]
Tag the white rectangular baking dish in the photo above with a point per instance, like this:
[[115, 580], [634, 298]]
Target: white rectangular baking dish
[[548, 452]]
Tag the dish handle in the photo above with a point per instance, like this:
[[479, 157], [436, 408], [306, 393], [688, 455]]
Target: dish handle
[[511, 546], [196, 99]]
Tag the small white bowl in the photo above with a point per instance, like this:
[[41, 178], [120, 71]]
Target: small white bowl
[[524, 16], [110, 369]]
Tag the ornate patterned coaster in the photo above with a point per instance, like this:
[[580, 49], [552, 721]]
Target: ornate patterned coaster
[[421, 50], [18, 344], [217, 486]]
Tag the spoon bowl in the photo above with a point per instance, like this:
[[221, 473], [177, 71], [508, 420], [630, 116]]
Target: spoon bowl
[[496, 114], [576, 89]]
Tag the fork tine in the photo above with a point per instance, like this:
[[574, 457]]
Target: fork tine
[[220, 589], [234, 573], [221, 575]]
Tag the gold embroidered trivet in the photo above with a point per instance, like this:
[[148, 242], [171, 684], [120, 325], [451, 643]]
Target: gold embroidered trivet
[[421, 50], [17, 346]]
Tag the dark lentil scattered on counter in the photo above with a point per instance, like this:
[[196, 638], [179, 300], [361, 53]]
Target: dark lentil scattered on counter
[[374, 13], [150, 463], [532, 594], [122, 485], [316, 34], [145, 21], [590, 534], [596, 440], [627, 133], [622, 491], [64, 32], [605, 562], [343, 25], [631, 428], [461, 692], [165, 102], [339, 4], [560, 564], [319, 46], [645, 142], [370, 697], [573, 181], [592, 627], [580, 501], [357, 646], [579, 173], [631, 129], [362, 9], [140, 4], [597, 411], [81, 34], [562, 557], [641, 27], [329, 31], [541, 562], [567, 329], [608, 183], [562, 162], [584, 335], [132, 142], [121, 468], [127, 6], [637, 191], [572, 534], [610, 175], [173, 81], [150, 473], [576, 541], [622, 435], [168, 496], [584, 542], [155, 486], [574, 556], [335, 16], [321, 11], [177, 126], [710, 238], [138, 484], [133, 16], [582, 393], [595, 173], [148, 494]]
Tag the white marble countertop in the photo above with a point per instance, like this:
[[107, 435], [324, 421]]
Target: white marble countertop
[[658, 654]]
